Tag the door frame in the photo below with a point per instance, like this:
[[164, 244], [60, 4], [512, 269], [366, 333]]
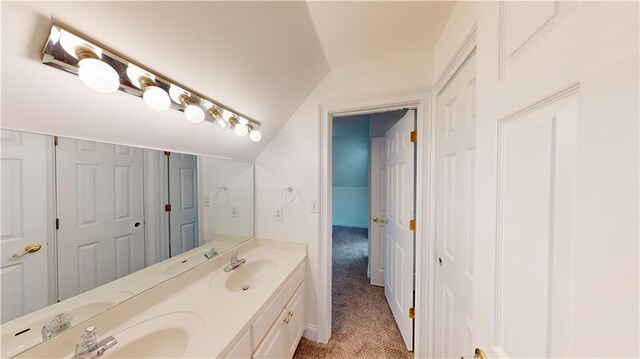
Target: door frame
[[420, 101]]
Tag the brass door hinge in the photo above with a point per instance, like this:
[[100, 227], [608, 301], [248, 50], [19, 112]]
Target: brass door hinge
[[167, 208], [57, 223], [414, 136], [412, 312], [412, 225], [55, 140], [167, 153]]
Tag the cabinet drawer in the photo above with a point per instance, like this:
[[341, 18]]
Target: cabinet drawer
[[269, 315]]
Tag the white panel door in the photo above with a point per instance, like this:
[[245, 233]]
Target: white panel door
[[100, 208], [399, 194], [556, 254], [455, 184], [24, 222], [377, 216], [183, 196]]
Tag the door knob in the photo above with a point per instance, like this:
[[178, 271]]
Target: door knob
[[34, 247], [377, 220], [479, 354]]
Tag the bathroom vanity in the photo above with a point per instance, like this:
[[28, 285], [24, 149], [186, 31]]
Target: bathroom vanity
[[256, 310]]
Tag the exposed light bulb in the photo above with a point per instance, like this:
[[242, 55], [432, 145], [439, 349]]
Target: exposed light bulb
[[98, 75], [192, 111], [255, 135], [240, 129], [155, 97]]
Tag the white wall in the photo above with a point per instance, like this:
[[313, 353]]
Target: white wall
[[292, 157], [224, 184]]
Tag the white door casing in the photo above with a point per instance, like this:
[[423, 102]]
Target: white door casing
[[377, 228], [100, 207], [455, 185], [399, 198], [556, 254], [24, 221], [183, 197]]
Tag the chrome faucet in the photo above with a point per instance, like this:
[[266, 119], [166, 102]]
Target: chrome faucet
[[211, 253], [89, 347], [235, 262], [59, 323]]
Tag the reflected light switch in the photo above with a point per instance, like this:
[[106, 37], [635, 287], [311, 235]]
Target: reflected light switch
[[277, 214]]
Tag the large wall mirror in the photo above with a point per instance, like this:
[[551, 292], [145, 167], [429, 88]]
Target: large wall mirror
[[86, 225]]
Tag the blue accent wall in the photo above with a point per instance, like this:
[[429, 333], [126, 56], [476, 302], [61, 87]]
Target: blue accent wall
[[351, 171]]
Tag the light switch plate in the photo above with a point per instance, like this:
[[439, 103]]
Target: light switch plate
[[277, 214], [234, 211], [314, 206]]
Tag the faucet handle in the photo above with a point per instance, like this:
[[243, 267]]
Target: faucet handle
[[235, 256], [89, 337], [60, 322]]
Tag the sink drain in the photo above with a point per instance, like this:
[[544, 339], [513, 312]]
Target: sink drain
[[246, 287]]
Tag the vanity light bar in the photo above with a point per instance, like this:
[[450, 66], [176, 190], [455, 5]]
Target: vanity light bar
[[104, 70]]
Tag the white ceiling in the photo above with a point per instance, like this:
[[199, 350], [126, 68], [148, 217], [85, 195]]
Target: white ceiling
[[261, 58], [359, 31]]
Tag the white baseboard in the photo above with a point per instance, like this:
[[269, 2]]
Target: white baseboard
[[310, 332]]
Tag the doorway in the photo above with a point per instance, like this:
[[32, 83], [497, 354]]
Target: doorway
[[328, 111]]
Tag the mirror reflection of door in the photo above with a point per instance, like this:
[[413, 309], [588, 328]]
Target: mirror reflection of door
[[25, 212], [100, 212], [183, 197]]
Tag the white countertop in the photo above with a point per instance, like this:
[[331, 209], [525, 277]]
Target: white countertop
[[196, 300]]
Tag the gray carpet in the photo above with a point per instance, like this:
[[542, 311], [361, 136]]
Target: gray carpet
[[363, 325]]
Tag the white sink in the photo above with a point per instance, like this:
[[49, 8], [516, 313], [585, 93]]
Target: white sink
[[251, 276], [165, 336]]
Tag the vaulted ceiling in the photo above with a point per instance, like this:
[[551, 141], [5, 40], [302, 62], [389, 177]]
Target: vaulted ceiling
[[262, 58]]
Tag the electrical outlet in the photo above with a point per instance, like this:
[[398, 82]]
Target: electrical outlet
[[314, 206], [234, 211], [278, 214]]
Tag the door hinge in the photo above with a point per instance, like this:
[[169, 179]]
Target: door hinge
[[57, 223], [412, 225], [167, 153], [412, 312], [167, 208], [55, 140], [414, 136]]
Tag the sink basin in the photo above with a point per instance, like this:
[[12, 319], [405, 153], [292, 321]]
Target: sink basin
[[251, 276], [165, 336]]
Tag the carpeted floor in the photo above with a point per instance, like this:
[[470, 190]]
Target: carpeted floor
[[363, 325]]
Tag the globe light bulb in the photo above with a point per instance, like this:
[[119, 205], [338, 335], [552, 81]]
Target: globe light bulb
[[156, 98], [240, 129], [98, 75], [255, 135], [194, 113]]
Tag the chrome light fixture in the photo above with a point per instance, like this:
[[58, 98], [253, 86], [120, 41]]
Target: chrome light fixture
[[106, 71]]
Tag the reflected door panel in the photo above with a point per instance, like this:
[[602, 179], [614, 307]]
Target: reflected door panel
[[183, 219], [100, 207], [24, 221]]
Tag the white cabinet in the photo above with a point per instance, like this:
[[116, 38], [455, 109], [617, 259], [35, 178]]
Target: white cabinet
[[285, 333], [242, 348]]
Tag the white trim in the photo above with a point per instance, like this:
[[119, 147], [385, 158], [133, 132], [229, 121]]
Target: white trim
[[310, 332], [327, 110], [52, 235], [464, 51]]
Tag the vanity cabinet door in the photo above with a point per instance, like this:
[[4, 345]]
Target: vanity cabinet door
[[295, 327], [274, 344]]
